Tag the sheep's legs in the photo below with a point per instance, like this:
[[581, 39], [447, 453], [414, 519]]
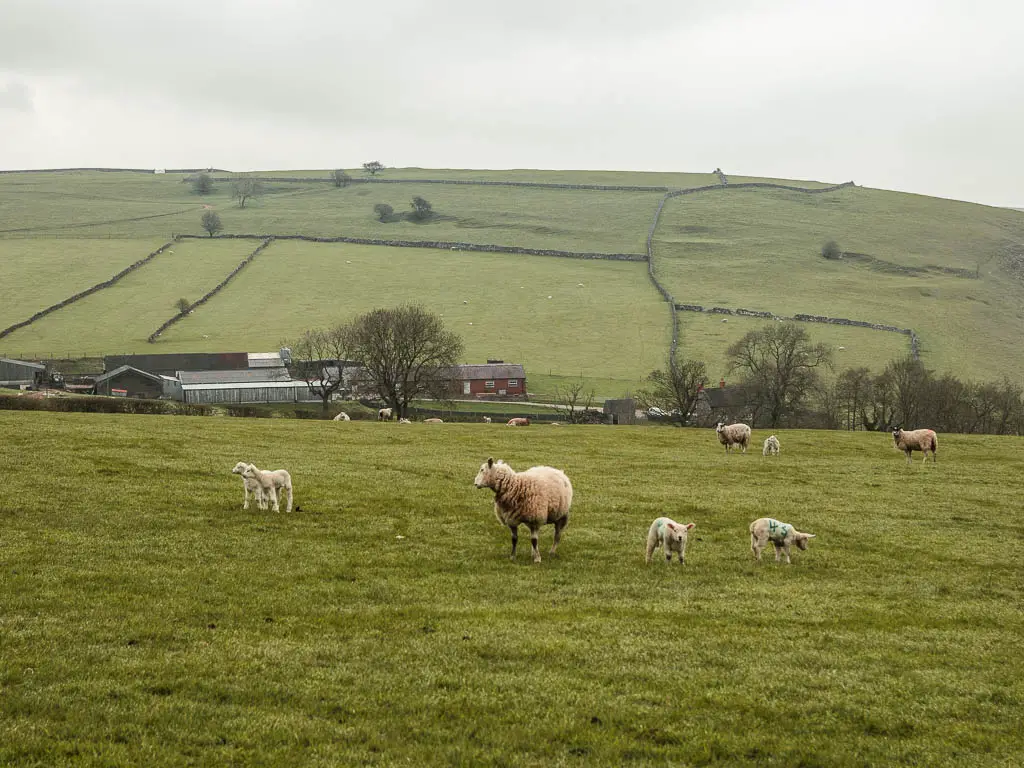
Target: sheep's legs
[[756, 547], [273, 499], [534, 535], [559, 525], [245, 501], [515, 540]]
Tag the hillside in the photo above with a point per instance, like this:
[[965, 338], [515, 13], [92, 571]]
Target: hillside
[[941, 268]]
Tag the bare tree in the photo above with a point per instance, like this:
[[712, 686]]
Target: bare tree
[[406, 353], [575, 401], [212, 223], [320, 357], [202, 184], [373, 167], [675, 389], [383, 211], [909, 381], [779, 365], [853, 390], [244, 188], [339, 178]]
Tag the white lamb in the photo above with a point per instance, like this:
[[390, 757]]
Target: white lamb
[[342, 416], [487, 419], [433, 421], [733, 434], [534, 498], [250, 485], [923, 440], [404, 421], [782, 535], [672, 535], [771, 446], [270, 482]]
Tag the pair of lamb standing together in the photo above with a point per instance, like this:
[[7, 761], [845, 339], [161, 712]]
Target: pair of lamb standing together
[[264, 484], [542, 496]]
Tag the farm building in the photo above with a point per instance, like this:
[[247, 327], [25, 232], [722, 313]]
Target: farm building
[[257, 385], [721, 403], [17, 373], [493, 379], [620, 411], [127, 381], [187, 361]]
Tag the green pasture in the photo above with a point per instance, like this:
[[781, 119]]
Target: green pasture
[[761, 250], [613, 325], [119, 318], [148, 620]]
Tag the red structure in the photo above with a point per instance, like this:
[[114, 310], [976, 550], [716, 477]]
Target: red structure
[[490, 380]]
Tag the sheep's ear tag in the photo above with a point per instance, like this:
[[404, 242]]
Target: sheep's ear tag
[[490, 461]]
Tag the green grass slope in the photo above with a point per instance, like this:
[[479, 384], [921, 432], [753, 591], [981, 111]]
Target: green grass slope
[[148, 620]]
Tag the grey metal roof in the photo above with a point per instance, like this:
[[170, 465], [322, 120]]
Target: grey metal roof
[[124, 368], [234, 377], [25, 363], [489, 372]]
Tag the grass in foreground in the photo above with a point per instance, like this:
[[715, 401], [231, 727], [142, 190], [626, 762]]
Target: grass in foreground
[[148, 620]]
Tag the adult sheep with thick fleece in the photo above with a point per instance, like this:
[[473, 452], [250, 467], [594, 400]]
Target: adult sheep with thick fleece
[[733, 434], [271, 481], [782, 535], [771, 446], [519, 422], [923, 440], [384, 414], [535, 497], [342, 416], [672, 535], [250, 485]]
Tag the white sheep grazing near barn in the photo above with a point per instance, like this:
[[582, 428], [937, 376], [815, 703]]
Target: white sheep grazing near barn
[[536, 497], [384, 414], [271, 481], [342, 417], [672, 535], [487, 419], [433, 421], [782, 535], [923, 440], [771, 446], [250, 485], [733, 434]]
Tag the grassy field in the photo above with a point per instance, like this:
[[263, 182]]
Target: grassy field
[[761, 250], [148, 620]]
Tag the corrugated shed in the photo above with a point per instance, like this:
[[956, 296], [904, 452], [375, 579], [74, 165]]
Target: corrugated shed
[[185, 361], [249, 375], [489, 372]]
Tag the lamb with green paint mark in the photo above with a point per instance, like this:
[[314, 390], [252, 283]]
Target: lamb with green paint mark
[[782, 535], [672, 535]]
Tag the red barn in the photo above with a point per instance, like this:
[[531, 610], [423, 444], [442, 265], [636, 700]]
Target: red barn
[[493, 379]]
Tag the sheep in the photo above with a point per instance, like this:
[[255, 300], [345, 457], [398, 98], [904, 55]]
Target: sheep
[[249, 485], [536, 497], [518, 422], [271, 481], [487, 419], [404, 421], [782, 535], [667, 532], [342, 417], [734, 434], [433, 421], [923, 440], [771, 446], [384, 414]]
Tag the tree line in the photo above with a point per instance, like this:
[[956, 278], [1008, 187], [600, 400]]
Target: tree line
[[782, 384]]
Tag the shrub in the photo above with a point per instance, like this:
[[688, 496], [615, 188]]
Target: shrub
[[831, 250]]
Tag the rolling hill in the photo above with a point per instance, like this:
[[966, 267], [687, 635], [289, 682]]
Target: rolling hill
[[947, 270]]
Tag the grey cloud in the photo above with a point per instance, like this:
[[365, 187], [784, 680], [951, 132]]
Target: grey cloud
[[16, 96]]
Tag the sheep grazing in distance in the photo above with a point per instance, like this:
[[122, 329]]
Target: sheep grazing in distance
[[536, 497], [923, 440], [342, 417], [404, 421], [487, 419], [271, 481], [782, 535], [433, 421], [771, 446], [518, 422], [672, 535], [384, 414], [249, 485], [733, 434]]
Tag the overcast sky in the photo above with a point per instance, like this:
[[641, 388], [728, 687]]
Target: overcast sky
[[915, 95]]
